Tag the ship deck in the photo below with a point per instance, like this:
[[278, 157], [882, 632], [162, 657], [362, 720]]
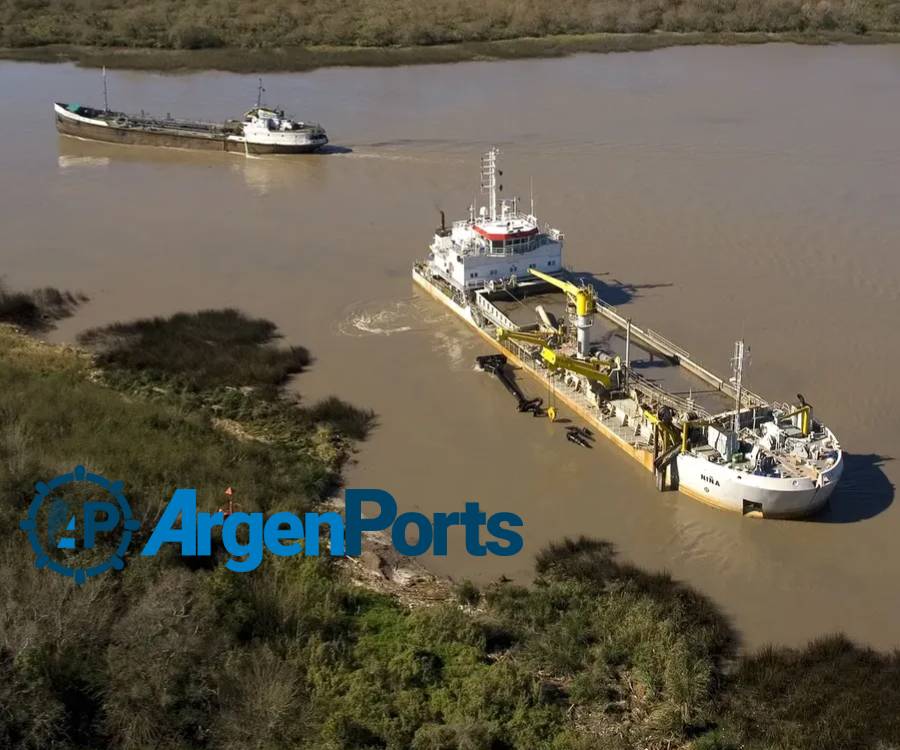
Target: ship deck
[[658, 370], [671, 383]]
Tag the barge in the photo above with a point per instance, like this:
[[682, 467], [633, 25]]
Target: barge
[[262, 130], [710, 438]]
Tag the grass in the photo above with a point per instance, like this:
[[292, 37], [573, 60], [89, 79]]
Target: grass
[[227, 366], [283, 35], [267, 24], [197, 351], [39, 309], [171, 653], [303, 58], [852, 692]]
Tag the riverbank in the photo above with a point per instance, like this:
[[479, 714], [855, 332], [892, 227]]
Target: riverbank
[[313, 652], [302, 58]]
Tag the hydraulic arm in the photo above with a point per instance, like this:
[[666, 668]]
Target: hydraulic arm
[[595, 369], [527, 337]]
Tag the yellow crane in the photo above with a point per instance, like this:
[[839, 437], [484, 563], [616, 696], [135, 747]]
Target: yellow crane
[[593, 369], [538, 338], [585, 301], [668, 433], [804, 412], [667, 444]]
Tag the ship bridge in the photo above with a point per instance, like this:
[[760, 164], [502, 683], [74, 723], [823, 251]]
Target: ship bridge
[[497, 244]]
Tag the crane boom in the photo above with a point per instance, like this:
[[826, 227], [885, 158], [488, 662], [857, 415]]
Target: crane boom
[[592, 370], [528, 337], [566, 286]]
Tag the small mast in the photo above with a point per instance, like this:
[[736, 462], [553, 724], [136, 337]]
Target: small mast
[[489, 174], [737, 363]]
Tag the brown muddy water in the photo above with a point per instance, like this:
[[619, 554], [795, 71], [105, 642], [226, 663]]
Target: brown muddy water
[[716, 192]]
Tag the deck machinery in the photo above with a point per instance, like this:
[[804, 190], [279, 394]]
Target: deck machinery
[[709, 437]]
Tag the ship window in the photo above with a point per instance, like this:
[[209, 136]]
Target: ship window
[[513, 269], [531, 265], [493, 272], [473, 275], [551, 262]]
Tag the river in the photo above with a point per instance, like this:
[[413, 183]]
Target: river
[[717, 192]]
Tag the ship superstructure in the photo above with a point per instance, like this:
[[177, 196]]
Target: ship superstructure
[[496, 244], [710, 438]]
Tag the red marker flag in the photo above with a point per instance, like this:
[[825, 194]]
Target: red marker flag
[[229, 492]]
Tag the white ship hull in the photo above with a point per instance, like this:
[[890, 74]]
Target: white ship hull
[[714, 484], [755, 495]]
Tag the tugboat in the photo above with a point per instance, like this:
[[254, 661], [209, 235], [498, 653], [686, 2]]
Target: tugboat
[[262, 130], [710, 438]]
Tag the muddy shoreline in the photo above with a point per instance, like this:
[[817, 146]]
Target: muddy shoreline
[[294, 59]]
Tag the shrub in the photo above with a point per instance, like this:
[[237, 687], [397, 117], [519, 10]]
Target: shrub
[[202, 350], [467, 593], [37, 310]]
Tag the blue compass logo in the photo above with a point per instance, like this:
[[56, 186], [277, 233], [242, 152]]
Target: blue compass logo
[[64, 534]]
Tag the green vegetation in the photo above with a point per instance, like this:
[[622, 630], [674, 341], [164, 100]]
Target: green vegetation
[[467, 593], [230, 33], [37, 310], [199, 24], [175, 653], [198, 351]]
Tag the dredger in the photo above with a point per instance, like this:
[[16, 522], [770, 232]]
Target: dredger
[[501, 271]]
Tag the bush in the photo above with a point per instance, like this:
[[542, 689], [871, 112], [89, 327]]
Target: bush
[[195, 36], [170, 653], [203, 350], [198, 24], [467, 593], [37, 310]]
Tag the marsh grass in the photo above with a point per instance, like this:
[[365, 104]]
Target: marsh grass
[[228, 367], [595, 654], [300, 58], [253, 24], [197, 351], [831, 694], [36, 311]]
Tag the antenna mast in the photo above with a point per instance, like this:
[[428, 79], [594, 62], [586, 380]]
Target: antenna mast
[[259, 92], [737, 363], [489, 178], [105, 92]]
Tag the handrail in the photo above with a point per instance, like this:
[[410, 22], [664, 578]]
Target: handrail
[[494, 313]]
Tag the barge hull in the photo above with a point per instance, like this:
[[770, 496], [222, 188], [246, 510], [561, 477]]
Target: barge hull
[[697, 480], [184, 139]]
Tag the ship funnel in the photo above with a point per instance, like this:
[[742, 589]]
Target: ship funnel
[[443, 231]]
